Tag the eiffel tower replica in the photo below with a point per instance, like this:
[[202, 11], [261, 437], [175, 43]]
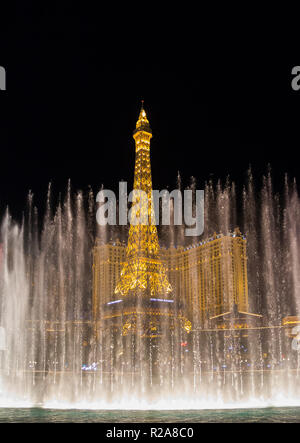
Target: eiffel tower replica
[[148, 303]]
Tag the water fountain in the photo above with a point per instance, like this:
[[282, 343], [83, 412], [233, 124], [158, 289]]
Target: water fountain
[[51, 355]]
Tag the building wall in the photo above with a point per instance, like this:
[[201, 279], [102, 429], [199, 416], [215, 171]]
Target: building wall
[[207, 278], [108, 260], [210, 276]]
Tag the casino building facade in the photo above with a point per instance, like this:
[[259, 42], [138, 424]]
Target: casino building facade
[[207, 280]]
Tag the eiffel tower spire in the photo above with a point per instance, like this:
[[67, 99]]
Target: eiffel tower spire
[[143, 272]]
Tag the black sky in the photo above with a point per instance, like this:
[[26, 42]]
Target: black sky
[[72, 100]]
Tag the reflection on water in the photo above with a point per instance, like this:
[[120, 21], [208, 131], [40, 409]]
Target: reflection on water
[[39, 415]]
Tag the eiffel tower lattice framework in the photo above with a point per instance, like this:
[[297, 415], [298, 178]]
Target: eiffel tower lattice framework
[[144, 296]]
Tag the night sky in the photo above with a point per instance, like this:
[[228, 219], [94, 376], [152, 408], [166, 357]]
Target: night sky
[[73, 97]]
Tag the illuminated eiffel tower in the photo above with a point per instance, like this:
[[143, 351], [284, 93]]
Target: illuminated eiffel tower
[[143, 285], [143, 273]]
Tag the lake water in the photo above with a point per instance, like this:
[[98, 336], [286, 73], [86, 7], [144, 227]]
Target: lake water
[[40, 415]]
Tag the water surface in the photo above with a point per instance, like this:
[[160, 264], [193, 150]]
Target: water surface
[[40, 415]]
